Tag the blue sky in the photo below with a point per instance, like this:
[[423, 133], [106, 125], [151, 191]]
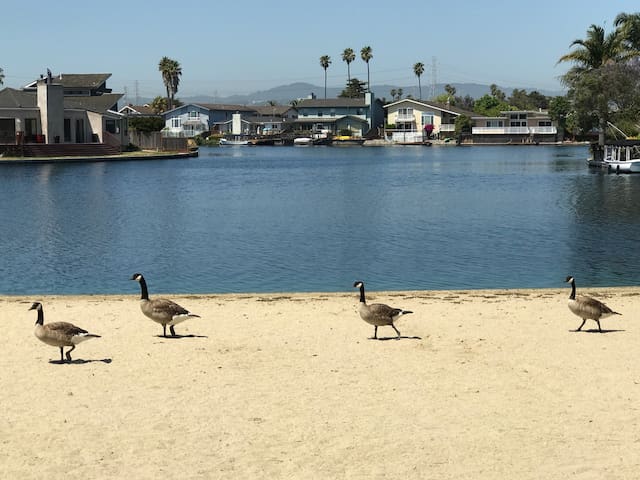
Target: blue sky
[[247, 45]]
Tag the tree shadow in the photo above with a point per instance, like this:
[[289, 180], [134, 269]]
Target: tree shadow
[[79, 361]]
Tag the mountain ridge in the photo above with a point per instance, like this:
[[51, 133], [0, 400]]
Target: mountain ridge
[[285, 94]]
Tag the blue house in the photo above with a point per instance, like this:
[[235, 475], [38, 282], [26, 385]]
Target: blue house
[[333, 115]]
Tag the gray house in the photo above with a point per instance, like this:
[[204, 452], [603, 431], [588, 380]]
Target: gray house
[[51, 111]]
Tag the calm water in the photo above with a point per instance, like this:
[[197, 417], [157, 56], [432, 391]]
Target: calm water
[[268, 219]]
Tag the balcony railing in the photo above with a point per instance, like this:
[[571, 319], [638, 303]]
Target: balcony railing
[[403, 117], [514, 130]]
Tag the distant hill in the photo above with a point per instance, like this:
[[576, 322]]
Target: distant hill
[[284, 94]]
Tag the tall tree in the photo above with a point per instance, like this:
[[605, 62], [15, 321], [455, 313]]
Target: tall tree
[[584, 78], [366, 55], [497, 93], [418, 69], [171, 72], [348, 56], [1, 76], [325, 61], [355, 89]]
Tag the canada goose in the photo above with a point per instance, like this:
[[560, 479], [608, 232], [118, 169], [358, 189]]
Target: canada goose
[[587, 307], [161, 310], [378, 314], [59, 334]]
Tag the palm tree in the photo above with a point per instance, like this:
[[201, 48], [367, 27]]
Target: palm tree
[[366, 55], [171, 72], [629, 25], [418, 69], [597, 50], [325, 61], [348, 56], [393, 93]]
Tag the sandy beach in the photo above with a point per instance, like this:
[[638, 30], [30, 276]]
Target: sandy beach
[[482, 385]]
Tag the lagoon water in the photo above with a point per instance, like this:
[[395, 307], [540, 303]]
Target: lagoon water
[[274, 219]]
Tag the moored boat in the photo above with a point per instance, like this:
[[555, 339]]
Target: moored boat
[[617, 157]]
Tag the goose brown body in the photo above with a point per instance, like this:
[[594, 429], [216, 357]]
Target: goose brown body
[[59, 334], [587, 308], [161, 310], [378, 314]]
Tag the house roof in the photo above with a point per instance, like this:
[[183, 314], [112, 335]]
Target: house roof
[[331, 102], [76, 80], [272, 109], [137, 109], [100, 103], [437, 105], [12, 98], [330, 119]]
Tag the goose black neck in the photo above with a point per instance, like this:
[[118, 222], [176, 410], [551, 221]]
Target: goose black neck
[[362, 294], [573, 290], [40, 320], [143, 289]]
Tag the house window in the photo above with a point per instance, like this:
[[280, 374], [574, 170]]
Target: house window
[[405, 111], [319, 114], [110, 126], [427, 118], [176, 122], [495, 123], [333, 112], [544, 123], [30, 128], [194, 114], [67, 129]]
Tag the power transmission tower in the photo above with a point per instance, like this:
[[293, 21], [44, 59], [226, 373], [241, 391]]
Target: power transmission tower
[[434, 74], [137, 92]]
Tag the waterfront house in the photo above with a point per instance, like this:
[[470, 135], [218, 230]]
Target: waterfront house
[[138, 111], [414, 121], [71, 114], [514, 127], [192, 119], [360, 116]]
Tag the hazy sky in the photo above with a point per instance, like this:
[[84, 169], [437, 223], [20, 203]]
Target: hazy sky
[[241, 46]]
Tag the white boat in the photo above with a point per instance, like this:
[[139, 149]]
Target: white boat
[[618, 157], [234, 141], [303, 141]]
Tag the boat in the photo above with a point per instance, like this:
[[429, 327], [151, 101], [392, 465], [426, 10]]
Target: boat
[[234, 141], [622, 156], [347, 140], [302, 141]]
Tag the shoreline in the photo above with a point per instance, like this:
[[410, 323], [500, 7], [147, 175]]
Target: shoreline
[[482, 384]]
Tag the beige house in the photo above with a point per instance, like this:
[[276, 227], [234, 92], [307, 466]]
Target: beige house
[[407, 119]]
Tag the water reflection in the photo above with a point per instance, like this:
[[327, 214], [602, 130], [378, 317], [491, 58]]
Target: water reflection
[[277, 219]]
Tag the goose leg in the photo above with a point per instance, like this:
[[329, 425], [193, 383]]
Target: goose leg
[[61, 354], [397, 331], [599, 329], [173, 332], [581, 325], [375, 332], [69, 352], [164, 330]]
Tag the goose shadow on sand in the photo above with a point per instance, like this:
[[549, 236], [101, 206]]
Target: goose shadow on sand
[[79, 361], [401, 337], [178, 337], [595, 330]]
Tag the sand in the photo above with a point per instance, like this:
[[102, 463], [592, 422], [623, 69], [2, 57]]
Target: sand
[[483, 385]]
